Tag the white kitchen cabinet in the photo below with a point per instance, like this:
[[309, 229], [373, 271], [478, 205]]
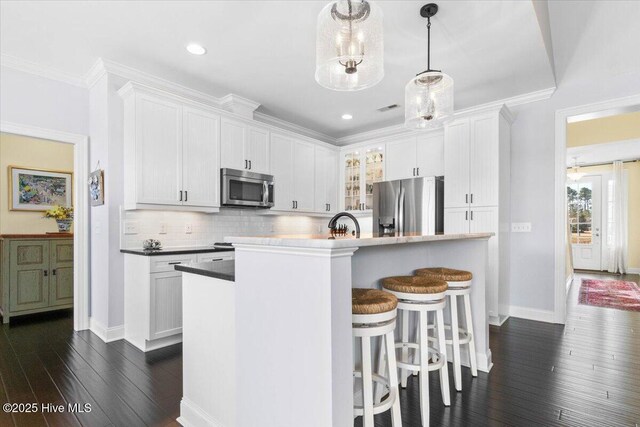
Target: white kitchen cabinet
[[401, 159], [361, 168], [477, 193], [153, 300], [303, 176], [456, 164], [414, 156], [244, 146], [199, 152], [326, 180], [170, 153], [156, 145], [215, 256], [292, 166]]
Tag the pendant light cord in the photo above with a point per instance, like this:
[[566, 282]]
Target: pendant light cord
[[428, 44]]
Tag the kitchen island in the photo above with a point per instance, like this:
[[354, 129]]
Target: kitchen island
[[274, 346]]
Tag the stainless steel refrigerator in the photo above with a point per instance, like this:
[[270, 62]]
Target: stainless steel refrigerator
[[409, 206]]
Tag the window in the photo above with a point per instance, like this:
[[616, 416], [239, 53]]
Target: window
[[580, 203]]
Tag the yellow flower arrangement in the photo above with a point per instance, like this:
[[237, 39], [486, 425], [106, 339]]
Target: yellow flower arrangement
[[59, 212]]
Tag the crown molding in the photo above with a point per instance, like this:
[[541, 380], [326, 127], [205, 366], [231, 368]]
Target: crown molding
[[34, 68], [239, 105], [292, 127]]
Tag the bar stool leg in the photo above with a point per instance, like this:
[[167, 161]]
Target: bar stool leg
[[405, 351], [472, 345], [455, 343], [367, 383], [444, 371], [382, 367], [424, 368], [396, 419]]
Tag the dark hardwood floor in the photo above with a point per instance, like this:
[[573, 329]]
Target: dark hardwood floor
[[586, 373]]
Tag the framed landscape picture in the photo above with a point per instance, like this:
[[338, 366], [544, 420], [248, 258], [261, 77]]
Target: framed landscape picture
[[39, 190]]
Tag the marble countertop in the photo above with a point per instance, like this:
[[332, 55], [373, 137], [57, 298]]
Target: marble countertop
[[225, 270], [323, 242]]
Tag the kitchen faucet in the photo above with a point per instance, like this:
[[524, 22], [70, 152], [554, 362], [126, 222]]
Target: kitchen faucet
[[334, 220]]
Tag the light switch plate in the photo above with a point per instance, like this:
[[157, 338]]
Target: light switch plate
[[163, 228], [131, 227], [521, 227], [188, 228]]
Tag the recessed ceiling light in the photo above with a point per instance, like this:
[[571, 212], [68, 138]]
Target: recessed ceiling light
[[347, 117], [196, 49]]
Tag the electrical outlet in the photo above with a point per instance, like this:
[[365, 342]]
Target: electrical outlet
[[163, 228], [188, 228], [521, 227], [131, 227]]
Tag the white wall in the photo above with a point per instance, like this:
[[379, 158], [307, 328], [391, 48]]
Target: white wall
[[36, 101], [533, 186]]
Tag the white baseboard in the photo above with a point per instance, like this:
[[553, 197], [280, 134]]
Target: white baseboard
[[191, 415], [532, 314], [114, 333], [633, 270]]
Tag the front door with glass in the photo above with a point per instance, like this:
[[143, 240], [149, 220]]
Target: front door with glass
[[584, 198]]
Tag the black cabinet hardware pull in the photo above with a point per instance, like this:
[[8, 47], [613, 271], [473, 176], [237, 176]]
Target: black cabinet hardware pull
[[180, 195], [466, 215], [249, 164], [53, 271], [246, 165], [186, 195], [46, 273], [174, 263]]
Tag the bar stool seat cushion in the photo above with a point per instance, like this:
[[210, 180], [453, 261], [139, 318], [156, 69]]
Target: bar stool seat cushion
[[372, 301], [415, 284], [448, 274]]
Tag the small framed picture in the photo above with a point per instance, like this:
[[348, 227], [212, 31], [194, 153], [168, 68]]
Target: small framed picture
[[39, 189], [96, 187]]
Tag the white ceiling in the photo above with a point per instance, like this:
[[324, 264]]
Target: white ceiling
[[265, 50]]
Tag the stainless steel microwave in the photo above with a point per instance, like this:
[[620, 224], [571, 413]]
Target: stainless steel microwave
[[241, 188]]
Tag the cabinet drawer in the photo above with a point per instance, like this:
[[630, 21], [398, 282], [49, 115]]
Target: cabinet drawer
[[164, 263], [215, 256]]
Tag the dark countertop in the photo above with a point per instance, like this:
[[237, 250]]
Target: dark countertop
[[176, 251], [225, 270]]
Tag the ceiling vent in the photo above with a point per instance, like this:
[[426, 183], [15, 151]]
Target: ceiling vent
[[388, 107]]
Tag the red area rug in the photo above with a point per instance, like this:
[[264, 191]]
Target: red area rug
[[618, 294]]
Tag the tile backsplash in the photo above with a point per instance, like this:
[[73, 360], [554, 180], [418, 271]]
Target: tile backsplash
[[171, 227]]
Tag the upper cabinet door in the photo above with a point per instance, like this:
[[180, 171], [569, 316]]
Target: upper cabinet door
[[200, 158], [331, 180], [485, 167], [401, 159], [430, 155], [158, 151], [258, 150], [456, 164], [232, 145], [326, 182], [303, 176], [282, 170]]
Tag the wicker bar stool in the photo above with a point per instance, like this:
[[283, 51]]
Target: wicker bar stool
[[421, 295], [459, 282], [374, 315]]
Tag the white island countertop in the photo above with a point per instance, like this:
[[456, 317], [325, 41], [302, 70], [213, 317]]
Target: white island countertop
[[367, 239]]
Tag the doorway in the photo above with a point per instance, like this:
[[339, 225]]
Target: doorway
[[80, 236], [584, 204]]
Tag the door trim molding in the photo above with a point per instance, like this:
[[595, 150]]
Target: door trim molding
[[560, 209], [81, 205]]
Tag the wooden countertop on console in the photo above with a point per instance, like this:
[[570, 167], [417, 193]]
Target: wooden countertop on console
[[38, 236]]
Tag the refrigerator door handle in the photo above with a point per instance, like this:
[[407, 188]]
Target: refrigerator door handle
[[401, 212], [396, 215]]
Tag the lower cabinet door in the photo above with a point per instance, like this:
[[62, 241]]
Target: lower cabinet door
[[165, 305], [61, 279], [29, 275], [456, 220]]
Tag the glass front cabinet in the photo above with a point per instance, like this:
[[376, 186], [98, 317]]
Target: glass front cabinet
[[362, 167]]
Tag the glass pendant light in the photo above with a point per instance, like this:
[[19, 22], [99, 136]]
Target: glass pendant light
[[349, 48], [428, 97]]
